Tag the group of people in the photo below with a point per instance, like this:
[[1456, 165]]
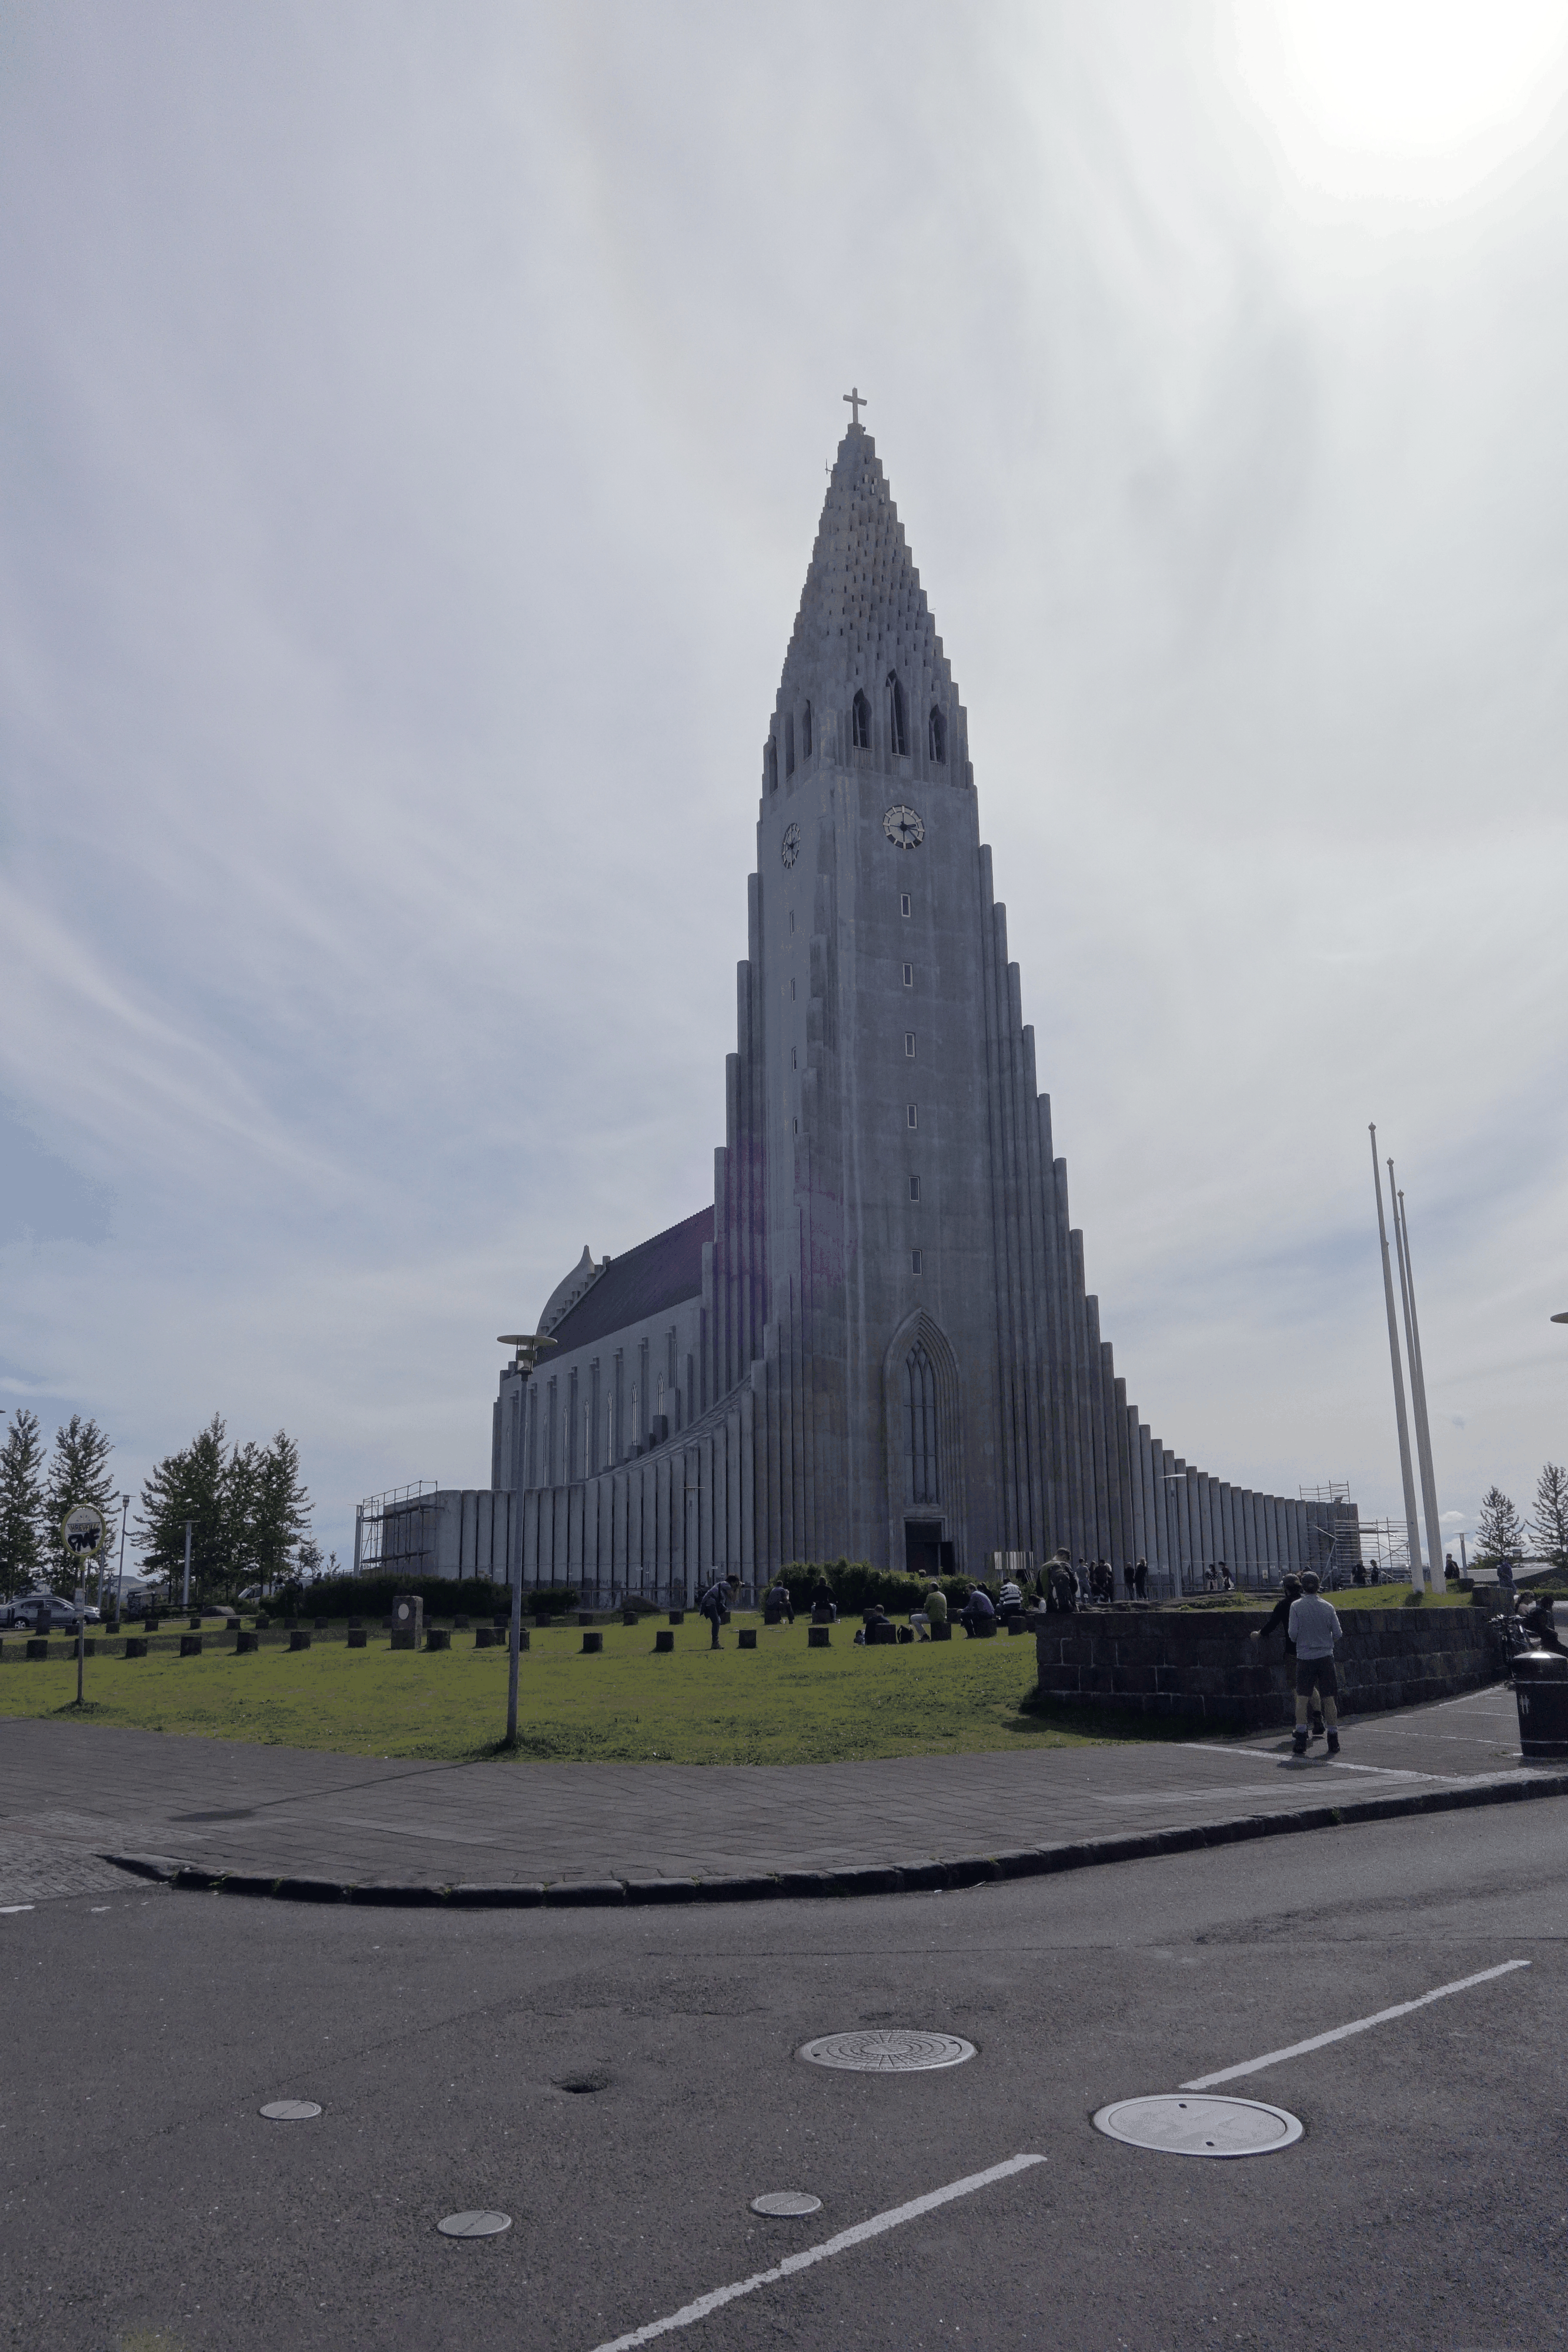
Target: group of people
[[1312, 1627], [1093, 1581]]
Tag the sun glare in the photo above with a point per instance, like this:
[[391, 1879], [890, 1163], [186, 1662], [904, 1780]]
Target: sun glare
[[1408, 99]]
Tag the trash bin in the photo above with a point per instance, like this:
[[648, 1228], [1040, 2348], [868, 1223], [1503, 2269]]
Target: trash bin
[[1541, 1687]]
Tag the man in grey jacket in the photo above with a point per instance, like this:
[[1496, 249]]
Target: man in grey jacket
[[1313, 1626]]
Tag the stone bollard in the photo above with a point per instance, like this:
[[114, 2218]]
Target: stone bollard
[[39, 1649], [244, 1644], [818, 1637], [484, 1637], [585, 1616], [320, 1624], [358, 1638], [298, 1639], [134, 1647], [407, 1617], [747, 1637], [151, 1623], [189, 1645], [264, 1624], [88, 1649], [663, 1641], [677, 1616], [356, 1624], [290, 1624], [592, 1644], [462, 1625], [438, 1638], [628, 1616], [942, 1632], [405, 1641], [195, 1621]]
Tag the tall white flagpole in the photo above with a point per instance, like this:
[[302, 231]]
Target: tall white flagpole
[[1418, 1388], [1412, 1524]]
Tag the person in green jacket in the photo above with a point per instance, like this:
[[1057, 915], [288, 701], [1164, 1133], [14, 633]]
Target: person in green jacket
[[936, 1605]]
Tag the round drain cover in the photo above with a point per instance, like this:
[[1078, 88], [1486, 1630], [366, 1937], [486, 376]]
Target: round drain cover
[[1193, 2125], [886, 2050], [291, 2111], [786, 2204], [474, 2225]]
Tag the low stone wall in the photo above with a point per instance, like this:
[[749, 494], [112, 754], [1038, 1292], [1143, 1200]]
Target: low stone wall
[[1203, 1664]]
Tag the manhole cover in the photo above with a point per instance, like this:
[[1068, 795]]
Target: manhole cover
[[583, 2083], [291, 2111], [786, 2204], [1199, 2127], [886, 2050], [474, 2225]]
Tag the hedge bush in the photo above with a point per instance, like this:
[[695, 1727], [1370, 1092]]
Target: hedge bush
[[856, 1585]]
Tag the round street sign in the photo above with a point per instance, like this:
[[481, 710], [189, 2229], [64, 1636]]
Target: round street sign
[[81, 1530]]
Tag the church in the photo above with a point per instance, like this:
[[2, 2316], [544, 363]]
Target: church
[[877, 1341]]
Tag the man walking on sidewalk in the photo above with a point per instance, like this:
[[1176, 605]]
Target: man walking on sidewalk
[[1313, 1626]]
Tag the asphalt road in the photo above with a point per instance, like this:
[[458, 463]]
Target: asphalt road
[[147, 2203]]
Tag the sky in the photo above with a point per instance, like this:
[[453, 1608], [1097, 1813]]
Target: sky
[[415, 424]]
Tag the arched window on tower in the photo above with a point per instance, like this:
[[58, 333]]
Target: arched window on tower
[[788, 743], [860, 717], [937, 735], [898, 733], [920, 1425], [773, 763], [806, 732]]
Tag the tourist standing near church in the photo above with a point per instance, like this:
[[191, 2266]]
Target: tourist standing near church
[[715, 1607], [1313, 1625]]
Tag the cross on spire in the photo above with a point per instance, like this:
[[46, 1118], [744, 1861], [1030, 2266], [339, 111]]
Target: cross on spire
[[857, 401]]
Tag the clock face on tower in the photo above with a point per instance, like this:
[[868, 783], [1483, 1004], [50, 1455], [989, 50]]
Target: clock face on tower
[[904, 828], [789, 848]]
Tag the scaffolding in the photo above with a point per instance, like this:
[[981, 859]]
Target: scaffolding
[[394, 1533], [1334, 1532], [1386, 1547]]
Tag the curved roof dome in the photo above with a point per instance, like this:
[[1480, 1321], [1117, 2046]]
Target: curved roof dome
[[566, 1292]]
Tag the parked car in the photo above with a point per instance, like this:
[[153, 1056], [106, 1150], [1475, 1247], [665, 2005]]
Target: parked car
[[45, 1612]]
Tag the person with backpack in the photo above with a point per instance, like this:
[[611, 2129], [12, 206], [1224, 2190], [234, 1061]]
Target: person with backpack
[[715, 1607]]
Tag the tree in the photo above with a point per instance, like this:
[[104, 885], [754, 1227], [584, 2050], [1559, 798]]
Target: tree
[[78, 1473], [21, 1503], [281, 1511], [1500, 1531], [246, 1504], [1549, 1525]]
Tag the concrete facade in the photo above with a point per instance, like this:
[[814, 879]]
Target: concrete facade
[[879, 1342]]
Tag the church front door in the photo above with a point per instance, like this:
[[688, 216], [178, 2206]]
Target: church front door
[[923, 1547]]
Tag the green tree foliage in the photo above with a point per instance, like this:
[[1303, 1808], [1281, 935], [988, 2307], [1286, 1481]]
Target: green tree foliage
[[1500, 1531], [1549, 1525], [78, 1473], [246, 1507], [21, 1503]]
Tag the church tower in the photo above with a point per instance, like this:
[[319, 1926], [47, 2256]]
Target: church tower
[[878, 1342]]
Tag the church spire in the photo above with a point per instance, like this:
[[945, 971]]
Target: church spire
[[865, 659]]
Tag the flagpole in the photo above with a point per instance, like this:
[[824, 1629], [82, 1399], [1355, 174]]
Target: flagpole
[[1412, 1524], [1418, 1388]]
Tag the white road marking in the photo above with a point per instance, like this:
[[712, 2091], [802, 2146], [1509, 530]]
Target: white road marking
[[6, 1908], [809, 2254], [1334, 1763], [1342, 2032]]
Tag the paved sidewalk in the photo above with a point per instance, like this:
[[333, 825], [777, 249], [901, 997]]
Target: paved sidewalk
[[70, 1793]]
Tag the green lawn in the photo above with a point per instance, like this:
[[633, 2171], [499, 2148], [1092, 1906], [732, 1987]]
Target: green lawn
[[780, 1704]]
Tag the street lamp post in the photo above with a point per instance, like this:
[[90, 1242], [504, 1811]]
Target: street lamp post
[[529, 1346], [120, 1578]]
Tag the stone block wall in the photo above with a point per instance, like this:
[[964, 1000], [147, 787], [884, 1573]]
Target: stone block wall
[[1203, 1664]]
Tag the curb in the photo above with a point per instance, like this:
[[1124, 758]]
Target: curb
[[924, 1877]]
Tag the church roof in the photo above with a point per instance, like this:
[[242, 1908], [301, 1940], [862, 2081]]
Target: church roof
[[862, 612], [655, 1276], [569, 1290]]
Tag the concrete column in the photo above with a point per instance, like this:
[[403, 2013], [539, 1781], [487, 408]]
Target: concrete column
[[1207, 1544], [1178, 1491]]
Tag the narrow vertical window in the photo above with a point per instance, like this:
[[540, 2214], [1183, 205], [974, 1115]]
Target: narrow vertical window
[[772, 764], [910, 1114], [904, 904], [914, 1187], [897, 733], [914, 1258], [789, 743], [791, 991], [791, 922], [860, 721], [920, 1423], [909, 1044], [806, 732], [909, 975], [937, 735]]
